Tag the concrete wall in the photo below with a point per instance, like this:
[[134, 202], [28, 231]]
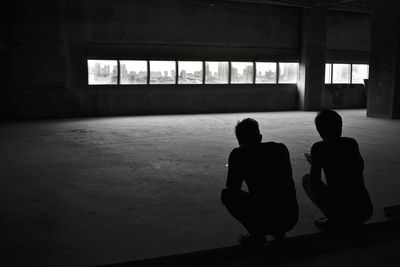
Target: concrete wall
[[348, 37], [344, 96], [46, 45]]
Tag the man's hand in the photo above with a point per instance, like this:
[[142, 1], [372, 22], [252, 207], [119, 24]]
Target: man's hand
[[308, 157]]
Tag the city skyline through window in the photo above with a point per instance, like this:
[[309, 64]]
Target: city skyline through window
[[217, 72], [340, 73], [162, 72], [359, 73], [343, 73], [288, 72], [241, 72], [328, 73], [142, 72], [266, 72], [133, 71], [102, 72], [190, 72], [105, 72]]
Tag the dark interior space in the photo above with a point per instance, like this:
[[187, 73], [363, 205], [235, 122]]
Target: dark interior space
[[117, 118]]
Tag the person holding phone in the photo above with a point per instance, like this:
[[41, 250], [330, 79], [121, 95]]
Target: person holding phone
[[343, 199]]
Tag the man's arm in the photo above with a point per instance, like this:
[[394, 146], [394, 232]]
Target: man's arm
[[316, 165], [287, 166], [360, 159], [234, 180]]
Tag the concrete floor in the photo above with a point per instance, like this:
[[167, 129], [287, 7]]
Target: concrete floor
[[94, 191]]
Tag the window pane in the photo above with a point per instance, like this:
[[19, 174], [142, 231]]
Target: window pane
[[133, 71], [359, 73], [217, 72], [242, 72], [341, 73], [102, 71], [328, 73], [288, 72], [190, 72], [162, 72], [266, 72]]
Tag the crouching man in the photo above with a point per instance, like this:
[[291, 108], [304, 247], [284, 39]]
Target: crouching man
[[343, 199], [270, 205]]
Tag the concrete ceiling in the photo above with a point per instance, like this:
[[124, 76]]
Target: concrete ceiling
[[345, 5]]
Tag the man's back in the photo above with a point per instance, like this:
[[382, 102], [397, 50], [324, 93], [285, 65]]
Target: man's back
[[343, 167], [266, 169]]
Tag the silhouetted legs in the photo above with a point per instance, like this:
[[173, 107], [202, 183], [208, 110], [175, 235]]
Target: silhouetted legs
[[354, 215], [318, 193], [240, 207]]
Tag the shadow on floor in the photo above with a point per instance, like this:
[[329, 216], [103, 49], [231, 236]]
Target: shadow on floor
[[293, 248]]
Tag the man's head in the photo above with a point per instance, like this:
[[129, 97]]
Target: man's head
[[247, 132], [329, 124]]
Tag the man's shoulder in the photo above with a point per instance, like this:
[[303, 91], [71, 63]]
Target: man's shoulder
[[274, 145], [274, 148], [327, 145], [317, 145], [348, 140]]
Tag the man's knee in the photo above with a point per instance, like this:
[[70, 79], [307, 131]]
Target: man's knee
[[229, 198], [225, 197]]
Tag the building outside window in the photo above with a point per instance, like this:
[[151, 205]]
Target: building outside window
[[265, 72], [102, 72], [328, 73], [241, 72], [216, 72], [340, 73], [133, 71], [288, 72], [359, 73], [162, 72], [190, 72]]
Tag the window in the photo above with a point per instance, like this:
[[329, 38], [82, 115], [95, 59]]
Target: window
[[190, 72], [288, 72], [359, 73], [102, 71], [265, 72], [241, 72], [162, 72], [143, 72], [328, 73], [217, 72], [133, 71], [340, 73]]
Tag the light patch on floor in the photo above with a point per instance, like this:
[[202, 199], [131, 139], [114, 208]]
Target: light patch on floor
[[103, 190]]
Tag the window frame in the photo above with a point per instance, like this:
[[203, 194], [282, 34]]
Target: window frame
[[101, 59], [134, 84], [202, 70], [276, 71], [350, 70], [241, 61], [163, 84], [253, 63], [279, 73]]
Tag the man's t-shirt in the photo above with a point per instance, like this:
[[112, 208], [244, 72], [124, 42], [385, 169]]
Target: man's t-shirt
[[266, 169], [343, 167]]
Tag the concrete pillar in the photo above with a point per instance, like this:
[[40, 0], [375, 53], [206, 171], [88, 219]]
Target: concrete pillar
[[312, 59], [384, 71]]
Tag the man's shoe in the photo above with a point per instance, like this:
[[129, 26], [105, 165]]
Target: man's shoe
[[324, 224], [253, 241]]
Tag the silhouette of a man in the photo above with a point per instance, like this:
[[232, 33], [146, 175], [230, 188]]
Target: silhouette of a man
[[344, 199], [270, 205]]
